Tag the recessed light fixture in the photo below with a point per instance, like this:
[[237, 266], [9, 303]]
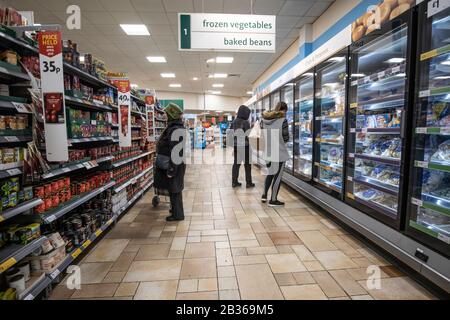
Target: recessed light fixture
[[218, 85], [308, 74], [168, 75], [446, 62], [358, 75], [224, 60], [214, 92], [157, 59], [175, 85], [135, 29], [82, 59], [250, 92], [218, 75], [401, 75], [195, 78], [442, 78], [395, 60], [337, 59]]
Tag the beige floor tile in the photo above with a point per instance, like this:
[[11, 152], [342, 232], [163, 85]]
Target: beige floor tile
[[94, 272], [228, 283], [227, 271], [401, 288], [214, 238], [264, 240], [350, 286], [328, 285], [282, 263], [256, 282], [209, 284], [362, 297], [154, 270], [332, 260], [303, 253], [61, 292], [254, 259], [303, 278], [315, 241], [194, 239], [284, 248], [178, 243], [313, 265], [224, 257], [229, 295], [126, 289], [176, 254], [285, 279], [241, 234], [124, 261], [244, 243], [222, 244], [188, 285], [200, 250], [303, 292], [152, 251], [98, 290], [198, 268], [280, 238], [108, 250], [114, 277], [210, 295], [157, 290], [261, 250]]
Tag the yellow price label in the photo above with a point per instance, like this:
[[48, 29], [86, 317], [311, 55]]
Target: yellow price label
[[109, 222], [98, 232], [351, 195], [2, 219], [7, 264], [76, 253], [353, 105], [428, 55], [87, 243]]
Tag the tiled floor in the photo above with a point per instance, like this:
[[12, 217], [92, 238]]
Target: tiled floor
[[231, 246]]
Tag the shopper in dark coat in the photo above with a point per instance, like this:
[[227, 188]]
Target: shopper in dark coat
[[172, 179], [241, 147]]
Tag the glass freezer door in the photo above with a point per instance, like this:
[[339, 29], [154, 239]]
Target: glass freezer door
[[303, 143], [287, 95], [377, 103], [330, 98], [429, 206]]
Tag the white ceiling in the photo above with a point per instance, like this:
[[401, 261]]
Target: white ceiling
[[102, 36]]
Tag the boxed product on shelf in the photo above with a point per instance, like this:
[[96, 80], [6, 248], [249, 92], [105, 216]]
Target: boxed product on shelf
[[9, 56], [12, 194], [11, 17], [20, 234], [48, 257], [14, 125], [31, 63], [70, 53], [83, 124]]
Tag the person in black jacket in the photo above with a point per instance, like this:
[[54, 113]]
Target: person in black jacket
[[172, 179], [276, 126], [240, 126]]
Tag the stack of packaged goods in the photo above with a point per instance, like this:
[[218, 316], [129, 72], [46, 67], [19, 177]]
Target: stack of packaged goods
[[12, 194]]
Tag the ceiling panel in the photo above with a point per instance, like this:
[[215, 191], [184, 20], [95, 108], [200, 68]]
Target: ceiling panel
[[271, 7], [148, 5], [179, 5], [296, 8], [209, 6]]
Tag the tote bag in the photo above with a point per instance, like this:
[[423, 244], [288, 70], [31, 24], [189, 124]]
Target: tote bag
[[255, 135]]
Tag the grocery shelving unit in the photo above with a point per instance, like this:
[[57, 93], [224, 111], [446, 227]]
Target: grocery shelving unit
[[13, 253]]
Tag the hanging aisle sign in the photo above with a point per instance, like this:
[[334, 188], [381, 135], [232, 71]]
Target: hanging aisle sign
[[124, 115], [226, 32], [52, 83]]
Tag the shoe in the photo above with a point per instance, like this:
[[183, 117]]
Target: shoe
[[276, 203], [236, 184], [250, 185], [172, 218], [264, 198]]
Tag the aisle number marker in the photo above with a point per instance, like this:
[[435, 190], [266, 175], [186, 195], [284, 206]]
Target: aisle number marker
[[7, 264]]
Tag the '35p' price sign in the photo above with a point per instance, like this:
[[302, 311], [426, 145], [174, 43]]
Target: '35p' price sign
[[52, 83]]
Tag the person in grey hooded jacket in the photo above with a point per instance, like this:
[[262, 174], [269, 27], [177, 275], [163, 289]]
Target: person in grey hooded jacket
[[275, 135], [240, 126]]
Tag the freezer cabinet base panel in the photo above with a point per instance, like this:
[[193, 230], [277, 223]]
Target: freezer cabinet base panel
[[436, 269]]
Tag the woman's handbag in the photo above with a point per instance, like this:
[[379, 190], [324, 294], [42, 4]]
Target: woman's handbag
[[162, 161], [255, 135]]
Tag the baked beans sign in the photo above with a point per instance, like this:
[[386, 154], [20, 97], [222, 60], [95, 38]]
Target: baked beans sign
[[377, 15], [52, 84]]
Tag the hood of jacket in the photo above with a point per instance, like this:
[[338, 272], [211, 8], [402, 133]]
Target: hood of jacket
[[243, 112], [272, 116]]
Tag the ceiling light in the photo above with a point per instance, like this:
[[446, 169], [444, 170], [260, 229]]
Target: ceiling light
[[211, 60], [218, 85], [358, 75], [395, 60], [401, 75], [168, 75], [175, 85], [135, 29], [218, 75], [446, 63], [442, 78], [157, 59], [308, 74], [82, 59], [337, 59], [214, 92], [224, 60], [250, 92], [195, 78]]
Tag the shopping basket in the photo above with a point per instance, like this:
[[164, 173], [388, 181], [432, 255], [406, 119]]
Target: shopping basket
[[159, 193]]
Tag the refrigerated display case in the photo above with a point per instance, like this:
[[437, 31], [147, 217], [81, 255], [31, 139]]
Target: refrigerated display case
[[428, 217], [287, 95], [266, 104], [329, 124], [304, 115], [377, 121], [274, 99]]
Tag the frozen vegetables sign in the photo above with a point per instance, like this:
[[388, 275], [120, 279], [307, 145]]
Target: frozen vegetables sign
[[124, 116], [52, 83], [226, 32], [379, 14]]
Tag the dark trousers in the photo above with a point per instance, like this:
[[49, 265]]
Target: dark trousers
[[238, 158], [176, 204], [274, 179]]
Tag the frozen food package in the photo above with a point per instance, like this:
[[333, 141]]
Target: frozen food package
[[443, 152], [431, 180]]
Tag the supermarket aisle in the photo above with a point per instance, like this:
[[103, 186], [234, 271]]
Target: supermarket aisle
[[233, 247]]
